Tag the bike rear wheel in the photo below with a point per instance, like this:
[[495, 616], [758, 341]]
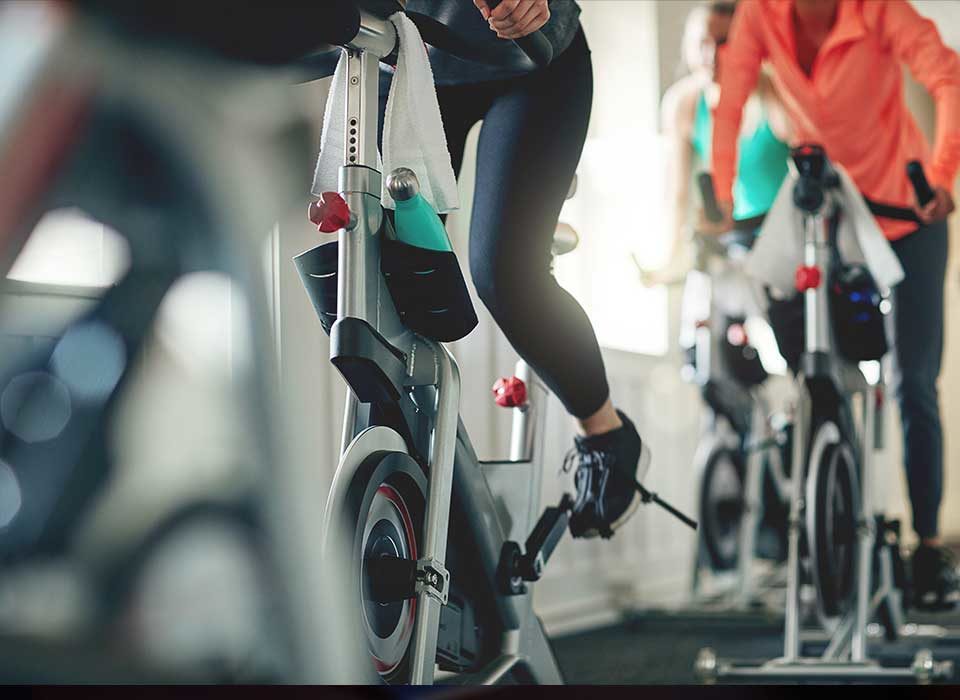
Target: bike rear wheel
[[722, 506]]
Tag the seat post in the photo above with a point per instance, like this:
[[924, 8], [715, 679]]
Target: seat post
[[359, 176]]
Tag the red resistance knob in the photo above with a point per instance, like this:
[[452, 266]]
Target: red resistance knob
[[510, 392], [330, 213], [737, 335], [808, 277]]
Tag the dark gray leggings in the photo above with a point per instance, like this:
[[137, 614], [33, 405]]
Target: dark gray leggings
[[533, 132], [916, 331]]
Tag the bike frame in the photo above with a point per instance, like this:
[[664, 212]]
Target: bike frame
[[431, 376], [846, 653], [754, 444]]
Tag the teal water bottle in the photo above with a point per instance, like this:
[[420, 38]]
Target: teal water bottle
[[417, 222]]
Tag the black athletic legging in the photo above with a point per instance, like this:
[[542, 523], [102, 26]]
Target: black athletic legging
[[534, 127]]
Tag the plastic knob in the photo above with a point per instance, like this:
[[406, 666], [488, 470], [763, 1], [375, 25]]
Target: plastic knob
[[808, 277], [737, 335], [330, 213], [510, 392]]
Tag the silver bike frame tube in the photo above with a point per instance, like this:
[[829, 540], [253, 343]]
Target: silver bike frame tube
[[527, 418], [867, 527], [752, 487], [356, 295], [816, 253], [442, 452], [791, 624]]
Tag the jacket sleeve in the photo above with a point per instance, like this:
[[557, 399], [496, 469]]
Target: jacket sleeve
[[739, 71], [916, 42]]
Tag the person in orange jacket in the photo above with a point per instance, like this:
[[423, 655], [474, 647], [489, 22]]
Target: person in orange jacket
[[837, 64]]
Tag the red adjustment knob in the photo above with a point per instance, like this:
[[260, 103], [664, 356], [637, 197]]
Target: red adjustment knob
[[737, 335], [510, 392], [330, 213], [808, 277]]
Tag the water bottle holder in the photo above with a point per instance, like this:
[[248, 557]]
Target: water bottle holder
[[428, 290], [318, 272]]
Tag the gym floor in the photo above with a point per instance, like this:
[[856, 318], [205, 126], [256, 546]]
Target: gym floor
[[654, 647], [659, 647]]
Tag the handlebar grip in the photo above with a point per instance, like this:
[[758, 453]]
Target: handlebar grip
[[919, 181], [709, 197], [536, 46]]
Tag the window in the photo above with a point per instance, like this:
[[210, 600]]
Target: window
[[70, 249], [618, 210]]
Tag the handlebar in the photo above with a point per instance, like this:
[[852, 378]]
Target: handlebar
[[438, 35], [537, 47], [919, 181], [709, 197]]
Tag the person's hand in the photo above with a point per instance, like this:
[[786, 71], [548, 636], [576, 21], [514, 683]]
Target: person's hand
[[513, 19], [668, 276], [716, 228], [938, 208], [672, 273]]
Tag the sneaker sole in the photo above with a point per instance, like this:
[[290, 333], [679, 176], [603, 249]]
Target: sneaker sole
[[642, 468]]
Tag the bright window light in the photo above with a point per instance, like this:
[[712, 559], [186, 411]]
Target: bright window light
[[618, 210], [71, 249]]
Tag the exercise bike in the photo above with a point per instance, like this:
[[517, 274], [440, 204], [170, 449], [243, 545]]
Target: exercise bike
[[840, 546], [743, 455], [442, 547]]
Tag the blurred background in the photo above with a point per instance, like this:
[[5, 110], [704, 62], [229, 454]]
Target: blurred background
[[200, 341]]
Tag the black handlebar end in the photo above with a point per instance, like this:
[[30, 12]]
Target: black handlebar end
[[709, 197], [538, 48], [919, 181]]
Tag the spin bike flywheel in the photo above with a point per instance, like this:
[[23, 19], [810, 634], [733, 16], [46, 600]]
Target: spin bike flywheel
[[721, 506], [832, 509], [386, 506]]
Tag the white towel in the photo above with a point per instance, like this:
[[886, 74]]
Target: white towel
[[413, 135], [779, 249]]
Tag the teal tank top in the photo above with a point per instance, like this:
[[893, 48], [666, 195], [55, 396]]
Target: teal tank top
[[761, 163]]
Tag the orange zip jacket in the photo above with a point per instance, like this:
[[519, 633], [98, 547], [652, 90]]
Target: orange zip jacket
[[852, 103]]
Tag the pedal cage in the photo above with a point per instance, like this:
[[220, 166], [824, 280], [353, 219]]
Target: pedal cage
[[519, 565]]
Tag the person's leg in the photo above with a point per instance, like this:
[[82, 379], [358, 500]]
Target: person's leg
[[916, 354], [917, 350], [529, 148]]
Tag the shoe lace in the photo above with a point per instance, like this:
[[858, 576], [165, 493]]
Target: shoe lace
[[580, 457]]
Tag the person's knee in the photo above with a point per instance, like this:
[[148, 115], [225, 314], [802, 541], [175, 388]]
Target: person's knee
[[500, 287], [917, 395]]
